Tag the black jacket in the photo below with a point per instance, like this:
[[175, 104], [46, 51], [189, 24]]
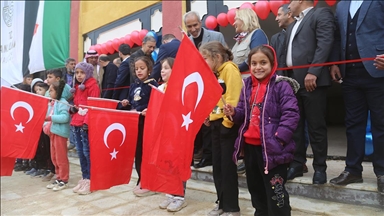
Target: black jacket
[[165, 50], [109, 78]]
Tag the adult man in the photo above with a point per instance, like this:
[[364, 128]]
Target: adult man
[[170, 46], [92, 58], [309, 41], [148, 46], [117, 61], [198, 34], [70, 64], [123, 75], [360, 33], [284, 19], [109, 77]]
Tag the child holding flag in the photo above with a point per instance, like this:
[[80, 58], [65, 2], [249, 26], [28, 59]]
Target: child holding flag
[[85, 86], [138, 98], [268, 115], [224, 132]]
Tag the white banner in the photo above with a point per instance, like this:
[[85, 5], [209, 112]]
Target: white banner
[[12, 39]]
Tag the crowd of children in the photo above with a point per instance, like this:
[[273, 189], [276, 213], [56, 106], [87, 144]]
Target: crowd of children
[[257, 116]]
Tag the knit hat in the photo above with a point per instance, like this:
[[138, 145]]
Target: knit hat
[[88, 70], [34, 81], [91, 53]]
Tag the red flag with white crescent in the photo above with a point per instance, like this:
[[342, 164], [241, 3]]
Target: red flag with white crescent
[[112, 144], [102, 102], [7, 165], [22, 118], [192, 93]]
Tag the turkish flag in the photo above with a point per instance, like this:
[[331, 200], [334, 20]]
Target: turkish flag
[[102, 102], [22, 118], [152, 177], [7, 165], [192, 93], [112, 143]]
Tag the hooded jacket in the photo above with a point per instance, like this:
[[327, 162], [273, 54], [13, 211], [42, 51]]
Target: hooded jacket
[[279, 117]]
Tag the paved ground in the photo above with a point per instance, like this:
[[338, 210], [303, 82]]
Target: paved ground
[[23, 195]]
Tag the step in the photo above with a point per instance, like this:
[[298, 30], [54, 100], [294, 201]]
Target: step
[[356, 194]]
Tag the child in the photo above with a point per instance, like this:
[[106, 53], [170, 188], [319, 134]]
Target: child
[[55, 75], [138, 97], [58, 131], [268, 114], [223, 131], [172, 203], [43, 155], [85, 86]]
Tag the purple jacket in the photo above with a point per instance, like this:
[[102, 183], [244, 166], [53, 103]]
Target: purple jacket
[[279, 114]]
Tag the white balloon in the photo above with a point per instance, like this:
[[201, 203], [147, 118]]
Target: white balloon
[[25, 105], [112, 127]]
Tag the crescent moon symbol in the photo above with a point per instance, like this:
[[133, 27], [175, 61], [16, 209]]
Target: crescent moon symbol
[[112, 127], [25, 105], [191, 78]]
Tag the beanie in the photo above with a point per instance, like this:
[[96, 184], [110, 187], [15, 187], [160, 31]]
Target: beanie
[[34, 81], [88, 70]]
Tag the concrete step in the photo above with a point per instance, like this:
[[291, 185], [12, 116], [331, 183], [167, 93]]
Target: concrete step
[[356, 194]]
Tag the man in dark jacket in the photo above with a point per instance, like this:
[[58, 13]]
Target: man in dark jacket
[[148, 46], [122, 82], [109, 76], [169, 48]]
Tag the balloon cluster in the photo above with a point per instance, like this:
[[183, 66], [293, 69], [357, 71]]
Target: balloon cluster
[[112, 46], [262, 8]]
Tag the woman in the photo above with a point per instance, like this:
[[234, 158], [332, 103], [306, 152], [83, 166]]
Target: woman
[[249, 35]]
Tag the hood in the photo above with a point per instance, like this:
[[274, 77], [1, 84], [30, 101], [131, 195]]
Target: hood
[[34, 81], [273, 70], [294, 84]]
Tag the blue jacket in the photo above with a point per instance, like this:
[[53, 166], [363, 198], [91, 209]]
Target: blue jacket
[[139, 94], [166, 50], [60, 118], [122, 80], [279, 114]]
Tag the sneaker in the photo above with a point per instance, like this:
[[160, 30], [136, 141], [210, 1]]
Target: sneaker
[[241, 168], [48, 177], [177, 204], [31, 172], [60, 186], [78, 186], [137, 187], [21, 167], [53, 184], [39, 173], [231, 214], [216, 211], [165, 203], [71, 146], [143, 192], [86, 188]]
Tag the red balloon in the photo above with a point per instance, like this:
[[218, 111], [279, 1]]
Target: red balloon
[[98, 48], [222, 19], [104, 49], [135, 38], [128, 40], [110, 48], [92, 47], [231, 16], [315, 2], [211, 22], [115, 44], [275, 5], [247, 5], [330, 2], [142, 34], [262, 9]]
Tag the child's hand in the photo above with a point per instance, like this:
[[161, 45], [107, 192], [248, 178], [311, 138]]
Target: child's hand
[[144, 112], [207, 122], [125, 102], [229, 110], [74, 109], [48, 118]]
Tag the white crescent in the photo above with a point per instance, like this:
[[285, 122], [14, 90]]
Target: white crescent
[[25, 105], [112, 127], [191, 78]]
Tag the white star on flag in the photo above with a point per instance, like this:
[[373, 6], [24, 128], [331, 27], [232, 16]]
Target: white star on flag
[[20, 128], [186, 120], [113, 154]]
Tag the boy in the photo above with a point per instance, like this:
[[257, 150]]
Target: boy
[[54, 76]]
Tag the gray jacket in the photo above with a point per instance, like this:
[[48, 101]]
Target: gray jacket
[[209, 36]]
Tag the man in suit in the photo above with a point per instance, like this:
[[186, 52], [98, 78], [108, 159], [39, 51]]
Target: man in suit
[[109, 77], [198, 34], [284, 19], [360, 33], [123, 76], [170, 46], [148, 46], [309, 41]]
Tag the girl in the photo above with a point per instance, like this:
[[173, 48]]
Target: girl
[[224, 132], [172, 203], [85, 86], [268, 114], [57, 128], [139, 93]]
